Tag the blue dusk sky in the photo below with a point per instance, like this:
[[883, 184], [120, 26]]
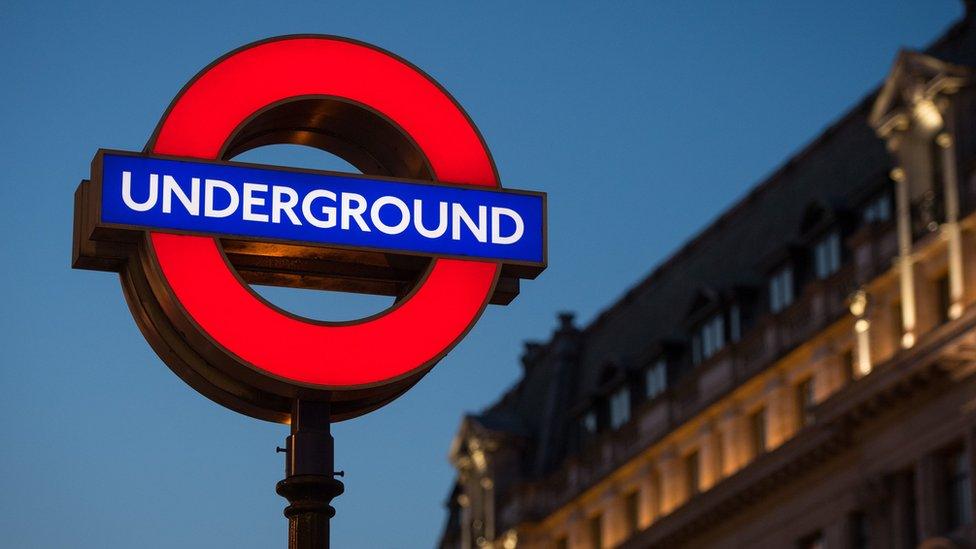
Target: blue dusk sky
[[641, 120]]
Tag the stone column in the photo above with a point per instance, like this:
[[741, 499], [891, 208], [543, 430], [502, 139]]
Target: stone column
[[710, 454], [781, 413], [672, 481], [906, 261], [951, 228], [730, 426], [488, 487], [862, 339], [577, 531], [649, 495], [614, 522]]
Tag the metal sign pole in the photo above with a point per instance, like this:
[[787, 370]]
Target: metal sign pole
[[310, 482]]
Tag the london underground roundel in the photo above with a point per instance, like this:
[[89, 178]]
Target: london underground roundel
[[189, 230]]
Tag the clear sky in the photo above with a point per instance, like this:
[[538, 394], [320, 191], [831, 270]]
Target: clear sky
[[642, 120]]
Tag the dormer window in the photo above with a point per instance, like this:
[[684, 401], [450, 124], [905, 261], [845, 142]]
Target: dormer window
[[826, 255], [620, 407], [656, 379], [781, 289], [709, 338], [878, 210]]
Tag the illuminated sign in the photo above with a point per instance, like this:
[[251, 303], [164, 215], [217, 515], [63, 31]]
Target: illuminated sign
[[189, 230], [269, 203]]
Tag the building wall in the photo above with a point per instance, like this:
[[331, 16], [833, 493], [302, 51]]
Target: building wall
[[830, 417]]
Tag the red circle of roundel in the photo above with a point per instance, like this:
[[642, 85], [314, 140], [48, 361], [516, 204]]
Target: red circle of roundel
[[372, 351]]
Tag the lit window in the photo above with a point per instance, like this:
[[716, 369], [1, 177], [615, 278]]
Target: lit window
[[781, 289], [656, 379], [692, 473], [709, 339], [878, 210], [620, 407], [758, 423], [958, 490], [806, 400], [826, 255]]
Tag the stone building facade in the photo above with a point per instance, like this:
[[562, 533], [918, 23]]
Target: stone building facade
[[800, 374]]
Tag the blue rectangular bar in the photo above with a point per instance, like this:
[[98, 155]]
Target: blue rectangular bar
[[231, 199]]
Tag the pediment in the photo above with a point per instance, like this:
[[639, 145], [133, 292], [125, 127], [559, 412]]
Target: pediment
[[913, 77]]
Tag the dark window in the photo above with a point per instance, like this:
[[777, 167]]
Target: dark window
[[757, 421], [735, 324], [850, 365], [781, 289], [928, 209], [958, 490], [589, 423], [826, 255], [938, 185], [910, 524], [806, 400], [860, 531], [896, 324], [596, 532], [944, 300], [813, 541], [620, 407], [878, 210], [709, 338], [632, 509], [692, 474], [656, 379]]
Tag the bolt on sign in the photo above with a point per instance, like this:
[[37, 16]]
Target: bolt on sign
[[189, 230]]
